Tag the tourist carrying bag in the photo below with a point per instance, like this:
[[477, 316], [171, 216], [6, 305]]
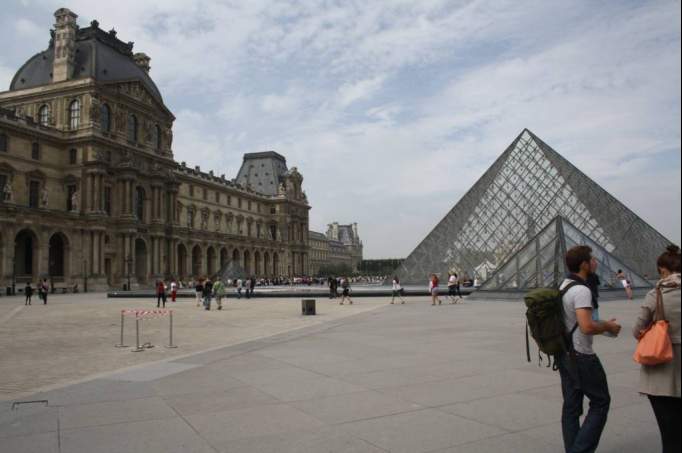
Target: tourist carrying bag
[[655, 347]]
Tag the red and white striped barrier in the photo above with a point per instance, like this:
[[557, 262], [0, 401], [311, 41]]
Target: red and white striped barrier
[[139, 313]]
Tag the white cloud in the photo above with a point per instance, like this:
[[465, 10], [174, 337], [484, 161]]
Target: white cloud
[[392, 109]]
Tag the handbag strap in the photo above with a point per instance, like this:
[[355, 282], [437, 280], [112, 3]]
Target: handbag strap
[[659, 314]]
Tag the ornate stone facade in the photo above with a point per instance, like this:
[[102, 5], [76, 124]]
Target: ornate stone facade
[[91, 194], [340, 247]]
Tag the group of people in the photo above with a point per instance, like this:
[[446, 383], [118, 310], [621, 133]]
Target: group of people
[[454, 289], [43, 290], [582, 374], [344, 283]]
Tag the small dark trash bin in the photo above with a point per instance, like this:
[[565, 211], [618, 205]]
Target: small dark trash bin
[[308, 307]]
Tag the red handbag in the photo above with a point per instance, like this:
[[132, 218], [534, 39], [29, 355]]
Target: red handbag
[[655, 347]]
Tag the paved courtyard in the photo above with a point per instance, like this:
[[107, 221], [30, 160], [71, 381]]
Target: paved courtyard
[[405, 378]]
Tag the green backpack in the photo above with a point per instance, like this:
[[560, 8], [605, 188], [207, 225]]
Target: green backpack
[[545, 319]]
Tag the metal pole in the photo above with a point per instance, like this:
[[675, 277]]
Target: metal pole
[[137, 335], [121, 345], [170, 332]]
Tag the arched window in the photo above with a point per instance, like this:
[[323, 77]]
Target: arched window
[[157, 137], [74, 114], [132, 128], [44, 115], [139, 203], [105, 118]]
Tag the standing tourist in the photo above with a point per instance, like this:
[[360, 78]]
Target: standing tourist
[[199, 291], [625, 282], [174, 290], [240, 286], [661, 383], [160, 293], [28, 291], [208, 293], [345, 291], [397, 290], [433, 289], [219, 292], [44, 288], [331, 282], [252, 285], [581, 372]]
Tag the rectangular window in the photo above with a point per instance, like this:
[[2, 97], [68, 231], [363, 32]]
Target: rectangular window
[[3, 182], [217, 197], [70, 190], [249, 205], [107, 200], [73, 156], [239, 202], [33, 194], [35, 151], [191, 190], [205, 194], [229, 200], [4, 139]]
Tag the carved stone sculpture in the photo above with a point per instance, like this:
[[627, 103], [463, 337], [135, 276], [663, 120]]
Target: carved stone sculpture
[[7, 192], [75, 201]]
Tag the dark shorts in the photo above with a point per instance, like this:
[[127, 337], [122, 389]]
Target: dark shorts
[[346, 291]]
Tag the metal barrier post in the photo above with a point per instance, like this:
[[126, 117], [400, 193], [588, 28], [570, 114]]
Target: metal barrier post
[[137, 335], [170, 331], [121, 345]]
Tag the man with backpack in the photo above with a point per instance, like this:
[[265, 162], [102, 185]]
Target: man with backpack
[[582, 374]]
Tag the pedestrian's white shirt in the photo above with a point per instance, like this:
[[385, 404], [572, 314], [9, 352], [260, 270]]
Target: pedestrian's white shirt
[[576, 298], [396, 286]]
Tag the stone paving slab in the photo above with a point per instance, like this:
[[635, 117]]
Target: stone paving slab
[[449, 379]]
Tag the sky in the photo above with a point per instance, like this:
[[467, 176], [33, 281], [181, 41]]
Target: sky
[[392, 109]]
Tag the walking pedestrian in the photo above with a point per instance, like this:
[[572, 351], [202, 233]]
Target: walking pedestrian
[[453, 288], [160, 294], [252, 285], [208, 293], [219, 292], [240, 286], [582, 374], [199, 291], [433, 289], [345, 291], [28, 291], [174, 290], [331, 282], [661, 383], [397, 290], [620, 275]]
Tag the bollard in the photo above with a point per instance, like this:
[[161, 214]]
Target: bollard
[[170, 331], [137, 335], [121, 345]]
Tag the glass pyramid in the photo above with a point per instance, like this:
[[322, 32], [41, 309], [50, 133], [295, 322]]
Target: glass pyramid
[[519, 195], [540, 262]]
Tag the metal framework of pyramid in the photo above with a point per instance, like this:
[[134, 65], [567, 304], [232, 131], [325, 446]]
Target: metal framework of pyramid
[[519, 195], [231, 270], [540, 262]]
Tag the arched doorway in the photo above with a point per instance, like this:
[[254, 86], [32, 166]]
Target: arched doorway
[[223, 257], [267, 272], [196, 261], [182, 261], [57, 257], [210, 261], [247, 262], [275, 264], [140, 260], [26, 256], [236, 257]]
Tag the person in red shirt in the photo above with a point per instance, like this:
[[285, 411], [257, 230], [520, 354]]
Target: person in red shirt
[[160, 294]]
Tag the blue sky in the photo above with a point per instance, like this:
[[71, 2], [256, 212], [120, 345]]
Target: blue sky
[[392, 109]]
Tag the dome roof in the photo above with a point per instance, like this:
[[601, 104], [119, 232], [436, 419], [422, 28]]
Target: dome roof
[[98, 54]]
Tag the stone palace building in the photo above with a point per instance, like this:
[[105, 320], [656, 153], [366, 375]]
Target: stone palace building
[[340, 248], [91, 193]]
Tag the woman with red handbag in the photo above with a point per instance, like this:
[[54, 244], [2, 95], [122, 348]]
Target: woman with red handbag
[[659, 351]]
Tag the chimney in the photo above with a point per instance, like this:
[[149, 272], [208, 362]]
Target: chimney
[[64, 44], [142, 60]]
